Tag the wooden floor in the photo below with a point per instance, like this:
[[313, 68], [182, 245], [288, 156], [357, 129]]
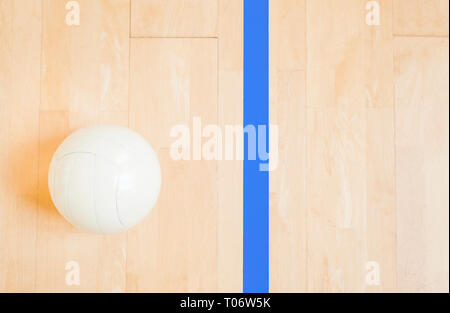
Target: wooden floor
[[359, 201]]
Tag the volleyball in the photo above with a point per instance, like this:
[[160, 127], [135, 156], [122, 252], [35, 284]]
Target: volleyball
[[104, 178]]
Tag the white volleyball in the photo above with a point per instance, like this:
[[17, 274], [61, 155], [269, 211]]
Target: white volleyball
[[104, 178]]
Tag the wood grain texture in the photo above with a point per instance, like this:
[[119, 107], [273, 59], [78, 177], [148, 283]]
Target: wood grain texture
[[230, 172], [350, 179], [231, 35], [174, 18], [350, 199], [362, 177], [19, 133], [335, 198], [349, 62], [287, 207], [381, 211], [287, 94], [171, 85], [287, 32], [93, 56], [421, 17], [84, 80], [172, 82], [421, 99]]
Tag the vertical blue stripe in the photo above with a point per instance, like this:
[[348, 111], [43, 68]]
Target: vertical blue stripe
[[256, 112]]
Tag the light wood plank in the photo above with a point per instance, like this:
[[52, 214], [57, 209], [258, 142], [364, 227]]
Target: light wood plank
[[173, 81], [174, 18], [287, 82], [421, 17], [287, 32], [287, 93], [350, 151], [351, 200], [114, 117], [229, 172], [349, 62], [381, 214], [231, 35], [230, 188], [179, 252], [422, 125], [84, 81], [20, 25], [92, 56], [336, 203], [287, 244]]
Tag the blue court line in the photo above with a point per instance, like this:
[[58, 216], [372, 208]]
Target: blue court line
[[256, 112]]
